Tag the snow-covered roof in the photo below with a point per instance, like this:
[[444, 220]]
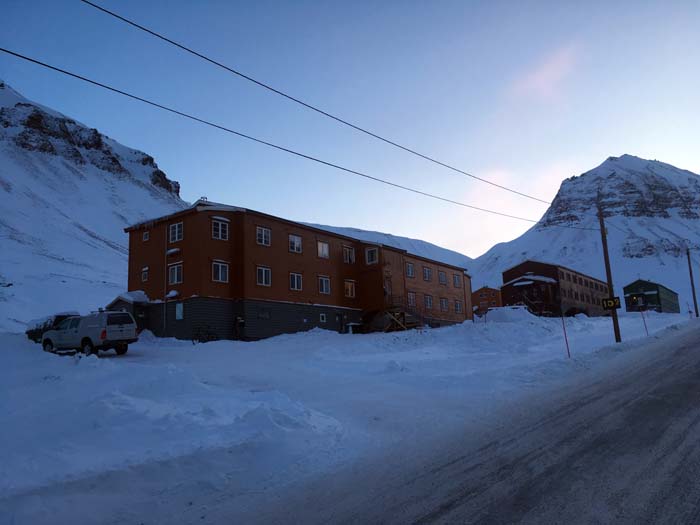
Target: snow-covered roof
[[530, 279], [135, 296]]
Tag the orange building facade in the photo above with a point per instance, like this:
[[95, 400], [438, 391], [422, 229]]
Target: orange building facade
[[217, 271]]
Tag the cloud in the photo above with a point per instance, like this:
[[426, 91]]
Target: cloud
[[546, 80]]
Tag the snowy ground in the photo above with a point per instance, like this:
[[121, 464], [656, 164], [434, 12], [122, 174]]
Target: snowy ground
[[282, 409]]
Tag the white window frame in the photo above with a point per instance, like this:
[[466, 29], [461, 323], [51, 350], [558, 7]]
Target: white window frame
[[442, 277], [411, 298], [146, 236], [222, 230], [458, 306], [266, 271], [444, 304], [321, 279], [220, 265], [179, 311], [373, 250], [298, 279], [320, 252], [176, 232], [322, 318], [456, 280], [144, 272], [295, 241], [263, 235], [410, 270], [172, 267], [427, 273], [428, 301], [348, 254], [353, 288]]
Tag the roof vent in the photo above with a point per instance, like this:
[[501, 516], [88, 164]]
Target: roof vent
[[203, 198]]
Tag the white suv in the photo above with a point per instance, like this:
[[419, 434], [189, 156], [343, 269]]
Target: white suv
[[90, 333]]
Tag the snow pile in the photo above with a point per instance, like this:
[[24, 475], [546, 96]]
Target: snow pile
[[327, 396]]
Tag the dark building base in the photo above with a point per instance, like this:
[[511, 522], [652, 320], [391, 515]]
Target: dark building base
[[208, 319]]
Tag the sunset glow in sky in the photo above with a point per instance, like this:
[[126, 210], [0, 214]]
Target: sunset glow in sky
[[522, 93]]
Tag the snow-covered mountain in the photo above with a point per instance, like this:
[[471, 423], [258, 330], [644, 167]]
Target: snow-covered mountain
[[415, 246], [66, 193], [652, 212]]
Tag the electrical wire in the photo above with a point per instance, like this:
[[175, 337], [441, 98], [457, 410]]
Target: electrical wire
[[272, 145], [306, 104]]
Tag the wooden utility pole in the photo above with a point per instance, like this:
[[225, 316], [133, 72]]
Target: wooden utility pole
[[692, 281], [608, 272]]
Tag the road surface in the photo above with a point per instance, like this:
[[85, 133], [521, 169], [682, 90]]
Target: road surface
[[623, 447]]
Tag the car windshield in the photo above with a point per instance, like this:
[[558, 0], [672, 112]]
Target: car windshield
[[119, 319]]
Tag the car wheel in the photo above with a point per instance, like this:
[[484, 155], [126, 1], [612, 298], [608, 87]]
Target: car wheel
[[88, 348], [48, 346], [121, 349]]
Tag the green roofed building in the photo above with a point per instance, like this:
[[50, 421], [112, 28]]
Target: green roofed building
[[646, 295]]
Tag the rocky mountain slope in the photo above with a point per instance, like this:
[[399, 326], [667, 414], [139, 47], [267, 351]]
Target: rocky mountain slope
[[652, 212], [66, 193]]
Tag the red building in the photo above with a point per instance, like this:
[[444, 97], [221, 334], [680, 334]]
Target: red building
[[218, 271], [485, 298], [550, 289]]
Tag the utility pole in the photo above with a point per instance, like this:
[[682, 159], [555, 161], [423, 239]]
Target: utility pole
[[692, 281], [608, 271]]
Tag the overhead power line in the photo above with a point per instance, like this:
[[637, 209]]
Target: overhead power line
[[266, 143], [306, 104]]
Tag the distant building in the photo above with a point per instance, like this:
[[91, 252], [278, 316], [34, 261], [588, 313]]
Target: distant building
[[646, 295], [217, 271], [485, 298], [553, 290]]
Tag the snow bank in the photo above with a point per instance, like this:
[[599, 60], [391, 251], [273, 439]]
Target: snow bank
[[335, 396]]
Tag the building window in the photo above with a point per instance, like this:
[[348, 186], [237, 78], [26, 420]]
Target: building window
[[176, 232], [493, 303], [219, 230], [427, 273], [324, 285], [457, 280], [263, 236], [295, 281], [411, 298], [295, 244], [482, 295], [371, 255], [144, 274], [348, 255], [410, 270], [442, 277], [444, 304], [264, 276], [219, 272], [323, 248], [179, 312], [175, 273], [349, 288], [428, 302], [322, 318], [458, 306], [146, 235]]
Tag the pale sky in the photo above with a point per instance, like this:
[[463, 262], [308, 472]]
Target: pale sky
[[523, 93]]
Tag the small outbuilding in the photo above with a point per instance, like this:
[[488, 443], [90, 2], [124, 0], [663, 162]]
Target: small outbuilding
[[644, 295]]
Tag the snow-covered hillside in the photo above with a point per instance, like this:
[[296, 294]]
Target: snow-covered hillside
[[415, 246], [652, 211], [66, 193]]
